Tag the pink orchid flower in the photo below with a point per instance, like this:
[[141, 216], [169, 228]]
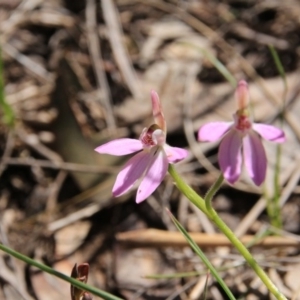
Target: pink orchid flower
[[241, 136], [152, 160]]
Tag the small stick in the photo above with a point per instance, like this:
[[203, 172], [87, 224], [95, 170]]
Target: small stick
[[97, 62], [60, 165], [161, 238], [112, 21]]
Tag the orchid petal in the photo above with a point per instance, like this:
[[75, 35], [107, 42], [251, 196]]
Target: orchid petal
[[158, 115], [230, 157], [120, 147], [154, 175], [213, 131], [175, 154], [269, 132], [255, 157], [132, 170]]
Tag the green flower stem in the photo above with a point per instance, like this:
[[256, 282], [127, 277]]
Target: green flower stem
[[213, 216], [211, 192], [64, 277]]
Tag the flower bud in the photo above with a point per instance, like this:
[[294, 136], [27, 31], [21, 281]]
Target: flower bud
[[80, 273]]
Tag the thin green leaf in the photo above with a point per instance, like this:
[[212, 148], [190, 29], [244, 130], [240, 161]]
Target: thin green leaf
[[273, 207], [64, 277], [278, 64], [174, 275], [205, 260], [8, 114], [206, 287], [220, 67], [194, 273], [217, 64]]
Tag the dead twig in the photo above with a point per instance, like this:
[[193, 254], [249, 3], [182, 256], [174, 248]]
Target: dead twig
[[60, 165], [161, 238], [14, 277], [17, 17], [244, 31], [39, 71], [28, 92], [54, 191], [97, 62], [33, 141], [110, 15]]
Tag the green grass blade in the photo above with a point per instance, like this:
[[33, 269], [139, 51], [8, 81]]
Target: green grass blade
[[8, 114], [62, 276], [206, 287], [205, 260], [220, 67], [194, 273], [273, 208], [216, 63], [278, 64]]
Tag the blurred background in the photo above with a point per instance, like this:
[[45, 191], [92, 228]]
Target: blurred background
[[79, 73]]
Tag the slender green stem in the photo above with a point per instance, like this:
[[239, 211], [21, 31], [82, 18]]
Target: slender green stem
[[203, 257], [192, 273], [8, 114], [213, 216], [64, 277], [273, 208], [211, 192], [276, 219]]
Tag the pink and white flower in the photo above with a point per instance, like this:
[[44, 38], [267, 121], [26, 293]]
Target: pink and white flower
[[241, 138], [151, 162]]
